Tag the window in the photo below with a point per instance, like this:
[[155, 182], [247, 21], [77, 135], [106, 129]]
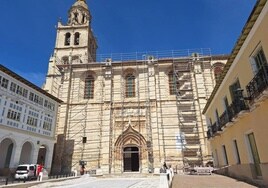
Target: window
[[19, 90], [67, 39], [130, 85], [13, 115], [235, 91], [47, 124], [13, 87], [76, 38], [89, 87], [224, 155], [258, 61], [25, 93], [4, 83], [236, 152], [173, 84], [32, 118], [31, 97], [225, 103], [217, 117]]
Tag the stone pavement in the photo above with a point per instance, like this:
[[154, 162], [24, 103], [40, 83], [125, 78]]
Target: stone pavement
[[207, 181], [92, 182], [179, 181]]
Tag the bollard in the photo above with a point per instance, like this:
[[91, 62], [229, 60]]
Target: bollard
[[40, 176], [24, 180], [163, 180], [6, 181]]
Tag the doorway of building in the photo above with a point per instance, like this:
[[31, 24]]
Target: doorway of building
[[26, 153], [6, 150], [131, 159], [42, 155], [255, 154]]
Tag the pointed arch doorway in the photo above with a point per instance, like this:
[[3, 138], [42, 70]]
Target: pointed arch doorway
[[131, 159], [130, 151]]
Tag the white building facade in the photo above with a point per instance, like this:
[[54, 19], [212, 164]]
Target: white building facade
[[27, 123]]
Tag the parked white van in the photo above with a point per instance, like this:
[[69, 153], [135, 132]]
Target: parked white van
[[26, 171]]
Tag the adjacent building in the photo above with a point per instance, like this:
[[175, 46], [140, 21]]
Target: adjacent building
[[27, 123], [237, 109], [127, 112]]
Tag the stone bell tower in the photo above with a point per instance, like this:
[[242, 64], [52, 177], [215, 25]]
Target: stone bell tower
[[75, 43], [76, 39]]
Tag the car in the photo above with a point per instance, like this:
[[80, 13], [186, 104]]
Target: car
[[26, 171]]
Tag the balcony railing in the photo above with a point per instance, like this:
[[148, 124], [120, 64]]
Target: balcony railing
[[227, 116], [258, 84]]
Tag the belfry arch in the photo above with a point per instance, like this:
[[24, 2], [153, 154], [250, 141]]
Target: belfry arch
[[130, 150]]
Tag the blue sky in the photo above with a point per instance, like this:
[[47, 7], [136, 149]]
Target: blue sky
[[28, 28]]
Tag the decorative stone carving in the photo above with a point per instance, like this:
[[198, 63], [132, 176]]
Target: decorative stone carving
[[78, 17]]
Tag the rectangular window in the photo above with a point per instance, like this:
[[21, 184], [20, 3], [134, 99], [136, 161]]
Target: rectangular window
[[25, 93], [13, 87], [13, 115], [225, 102], [32, 121], [236, 152], [19, 90], [235, 90], [31, 97], [225, 158], [258, 61], [4, 83], [217, 117]]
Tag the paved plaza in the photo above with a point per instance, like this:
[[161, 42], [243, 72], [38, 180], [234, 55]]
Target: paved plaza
[[92, 182], [207, 181], [179, 181]]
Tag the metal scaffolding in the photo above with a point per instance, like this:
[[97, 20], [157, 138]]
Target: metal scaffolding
[[172, 136]]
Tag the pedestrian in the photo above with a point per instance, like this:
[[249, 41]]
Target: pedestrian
[[165, 166], [82, 171]]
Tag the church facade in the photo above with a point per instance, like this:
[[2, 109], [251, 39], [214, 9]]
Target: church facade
[[127, 112]]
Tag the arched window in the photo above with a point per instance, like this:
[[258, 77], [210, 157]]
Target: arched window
[[130, 85], [67, 39], [172, 83], [76, 38], [89, 87]]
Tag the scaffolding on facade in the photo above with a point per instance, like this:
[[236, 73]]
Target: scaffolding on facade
[[159, 133]]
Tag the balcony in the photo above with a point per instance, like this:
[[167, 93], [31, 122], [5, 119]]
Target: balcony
[[228, 116], [258, 84]]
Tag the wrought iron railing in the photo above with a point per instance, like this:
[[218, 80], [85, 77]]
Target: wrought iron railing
[[232, 111], [258, 84]]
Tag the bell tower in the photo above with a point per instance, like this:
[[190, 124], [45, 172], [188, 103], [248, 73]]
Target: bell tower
[[76, 40], [75, 44]]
